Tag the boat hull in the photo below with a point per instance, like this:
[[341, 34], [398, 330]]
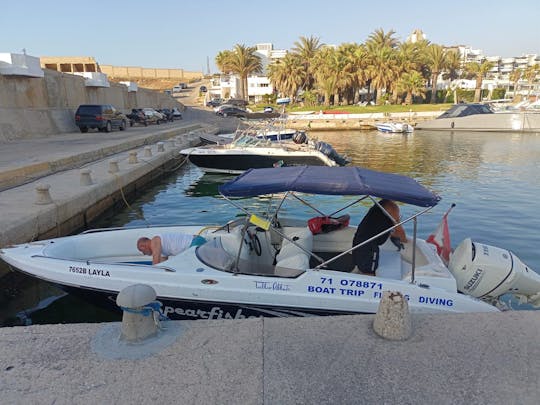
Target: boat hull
[[496, 122], [183, 309], [238, 162]]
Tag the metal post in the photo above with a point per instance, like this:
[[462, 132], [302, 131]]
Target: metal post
[[415, 223]]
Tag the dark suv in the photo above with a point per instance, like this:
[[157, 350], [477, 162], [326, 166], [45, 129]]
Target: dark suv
[[101, 116]]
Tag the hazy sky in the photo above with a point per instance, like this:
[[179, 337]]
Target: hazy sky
[[183, 33]]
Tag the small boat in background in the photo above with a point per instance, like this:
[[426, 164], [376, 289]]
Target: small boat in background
[[395, 127]]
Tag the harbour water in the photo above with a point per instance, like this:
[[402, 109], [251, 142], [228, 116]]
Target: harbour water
[[492, 178]]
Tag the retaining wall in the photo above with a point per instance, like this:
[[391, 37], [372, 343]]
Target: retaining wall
[[37, 107]]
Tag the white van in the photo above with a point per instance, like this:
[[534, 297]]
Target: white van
[[176, 89]]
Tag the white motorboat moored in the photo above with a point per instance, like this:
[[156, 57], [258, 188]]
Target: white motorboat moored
[[395, 127], [275, 266]]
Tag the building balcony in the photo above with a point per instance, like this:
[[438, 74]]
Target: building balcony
[[14, 64], [94, 79]]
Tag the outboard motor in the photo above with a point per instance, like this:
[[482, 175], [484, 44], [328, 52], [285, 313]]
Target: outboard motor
[[485, 271], [300, 137], [329, 151]]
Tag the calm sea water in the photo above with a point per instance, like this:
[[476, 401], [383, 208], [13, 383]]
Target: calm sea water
[[492, 178]]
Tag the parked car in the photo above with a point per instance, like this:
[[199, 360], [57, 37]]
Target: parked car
[[203, 89], [177, 114], [232, 111], [137, 116], [103, 117], [268, 109], [215, 102], [183, 85], [153, 116], [176, 89], [167, 112]]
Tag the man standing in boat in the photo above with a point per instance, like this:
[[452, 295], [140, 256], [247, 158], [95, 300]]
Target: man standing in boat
[[380, 217], [160, 247]]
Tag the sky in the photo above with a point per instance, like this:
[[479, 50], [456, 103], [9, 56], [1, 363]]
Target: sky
[[186, 34]]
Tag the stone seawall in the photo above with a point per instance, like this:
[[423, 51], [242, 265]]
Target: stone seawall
[[37, 107]]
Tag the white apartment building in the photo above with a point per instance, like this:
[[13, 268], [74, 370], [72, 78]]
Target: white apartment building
[[227, 86]]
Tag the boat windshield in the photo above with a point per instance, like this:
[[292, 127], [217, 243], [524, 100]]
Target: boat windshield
[[214, 255], [249, 140], [463, 110]]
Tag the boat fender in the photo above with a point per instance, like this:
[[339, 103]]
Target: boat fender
[[452, 124]]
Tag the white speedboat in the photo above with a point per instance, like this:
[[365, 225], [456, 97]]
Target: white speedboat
[[394, 127], [273, 266], [248, 152], [481, 117]]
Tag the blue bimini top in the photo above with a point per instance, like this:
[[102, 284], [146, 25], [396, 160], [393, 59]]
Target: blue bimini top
[[330, 181]]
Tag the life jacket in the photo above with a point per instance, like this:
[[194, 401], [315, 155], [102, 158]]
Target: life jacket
[[328, 224]]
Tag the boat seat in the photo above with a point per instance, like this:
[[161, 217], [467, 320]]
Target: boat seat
[[292, 256]]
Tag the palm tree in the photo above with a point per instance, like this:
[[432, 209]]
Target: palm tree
[[515, 75], [530, 74], [479, 71], [381, 60], [287, 75], [328, 67], [241, 61], [436, 61], [306, 48], [413, 84], [380, 39], [381, 68]]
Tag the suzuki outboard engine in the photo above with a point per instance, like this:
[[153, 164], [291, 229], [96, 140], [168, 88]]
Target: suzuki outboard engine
[[329, 151], [485, 271], [300, 137]]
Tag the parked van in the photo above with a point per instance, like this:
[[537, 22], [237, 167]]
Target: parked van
[[103, 117], [176, 89]]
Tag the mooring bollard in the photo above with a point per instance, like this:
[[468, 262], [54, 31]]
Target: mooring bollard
[[86, 178], [393, 320], [138, 318], [147, 151], [43, 195], [160, 147], [133, 157], [113, 166]]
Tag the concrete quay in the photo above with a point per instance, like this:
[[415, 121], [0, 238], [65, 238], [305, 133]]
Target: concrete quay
[[449, 359], [62, 162]]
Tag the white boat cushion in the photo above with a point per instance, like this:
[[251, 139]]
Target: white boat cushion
[[301, 236], [299, 261]]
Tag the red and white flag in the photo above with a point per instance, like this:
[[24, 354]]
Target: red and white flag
[[441, 238]]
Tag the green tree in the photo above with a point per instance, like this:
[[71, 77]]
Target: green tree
[[307, 48], [413, 84], [436, 61], [514, 77], [241, 61], [530, 74], [479, 72], [287, 75]]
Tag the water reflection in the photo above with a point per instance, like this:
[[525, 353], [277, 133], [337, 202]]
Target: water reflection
[[492, 177]]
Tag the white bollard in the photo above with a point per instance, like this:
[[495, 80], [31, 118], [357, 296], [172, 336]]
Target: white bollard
[[393, 320], [113, 166], [86, 178], [137, 323], [43, 195], [133, 157], [160, 147], [147, 151]]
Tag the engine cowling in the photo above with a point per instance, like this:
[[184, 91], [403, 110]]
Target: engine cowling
[[485, 271]]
